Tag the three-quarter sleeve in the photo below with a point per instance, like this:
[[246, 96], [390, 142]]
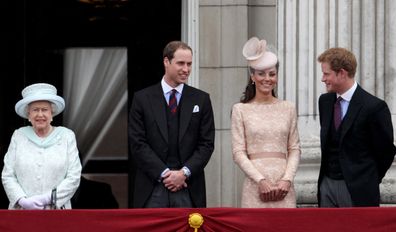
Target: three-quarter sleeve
[[68, 186], [293, 148], [239, 146], [11, 184]]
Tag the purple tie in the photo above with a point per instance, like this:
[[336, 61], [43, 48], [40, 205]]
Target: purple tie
[[337, 113], [173, 102]]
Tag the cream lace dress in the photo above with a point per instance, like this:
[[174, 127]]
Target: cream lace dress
[[258, 128]]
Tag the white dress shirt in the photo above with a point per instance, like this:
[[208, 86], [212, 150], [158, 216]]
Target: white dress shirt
[[346, 99]]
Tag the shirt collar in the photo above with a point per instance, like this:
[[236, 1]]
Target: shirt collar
[[347, 96], [167, 88]]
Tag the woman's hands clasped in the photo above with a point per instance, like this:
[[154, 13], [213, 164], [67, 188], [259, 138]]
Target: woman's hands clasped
[[35, 202], [269, 191]]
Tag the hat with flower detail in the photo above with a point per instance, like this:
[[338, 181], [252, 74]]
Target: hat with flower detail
[[256, 53]]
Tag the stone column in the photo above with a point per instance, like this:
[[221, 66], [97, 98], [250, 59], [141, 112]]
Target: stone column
[[306, 29], [223, 29]]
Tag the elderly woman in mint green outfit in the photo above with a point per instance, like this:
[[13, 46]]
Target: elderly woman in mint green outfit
[[42, 168]]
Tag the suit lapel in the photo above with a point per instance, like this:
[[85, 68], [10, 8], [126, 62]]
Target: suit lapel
[[186, 107], [159, 111], [353, 109], [327, 115]]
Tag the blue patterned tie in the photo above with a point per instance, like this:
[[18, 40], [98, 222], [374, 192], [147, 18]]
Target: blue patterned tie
[[173, 102], [337, 113]]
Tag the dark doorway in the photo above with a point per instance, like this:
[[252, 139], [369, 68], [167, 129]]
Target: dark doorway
[[36, 33]]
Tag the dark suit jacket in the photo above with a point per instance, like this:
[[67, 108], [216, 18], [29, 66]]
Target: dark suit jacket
[[148, 135], [93, 195], [366, 144]]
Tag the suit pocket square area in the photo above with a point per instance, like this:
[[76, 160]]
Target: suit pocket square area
[[196, 109]]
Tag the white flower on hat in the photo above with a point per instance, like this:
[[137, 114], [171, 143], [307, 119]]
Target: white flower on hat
[[39, 92], [255, 52]]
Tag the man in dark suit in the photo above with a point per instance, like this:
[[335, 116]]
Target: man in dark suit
[[356, 136], [171, 132]]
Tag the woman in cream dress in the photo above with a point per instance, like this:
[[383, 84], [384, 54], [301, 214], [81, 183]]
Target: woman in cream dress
[[42, 168], [265, 140]]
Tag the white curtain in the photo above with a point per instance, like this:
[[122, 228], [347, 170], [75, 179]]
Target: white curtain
[[95, 91]]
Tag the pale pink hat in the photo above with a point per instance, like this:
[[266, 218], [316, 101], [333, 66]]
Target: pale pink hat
[[255, 52]]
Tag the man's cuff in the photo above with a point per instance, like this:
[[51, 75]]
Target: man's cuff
[[162, 174], [186, 171]]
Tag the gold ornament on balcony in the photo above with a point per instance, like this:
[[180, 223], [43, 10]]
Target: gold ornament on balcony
[[195, 220]]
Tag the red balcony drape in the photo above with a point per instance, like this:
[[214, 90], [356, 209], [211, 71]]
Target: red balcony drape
[[215, 219]]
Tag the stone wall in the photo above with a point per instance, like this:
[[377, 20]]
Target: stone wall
[[301, 30]]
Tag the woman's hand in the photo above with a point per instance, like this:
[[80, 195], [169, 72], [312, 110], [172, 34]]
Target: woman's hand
[[35, 202], [283, 188], [266, 190]]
